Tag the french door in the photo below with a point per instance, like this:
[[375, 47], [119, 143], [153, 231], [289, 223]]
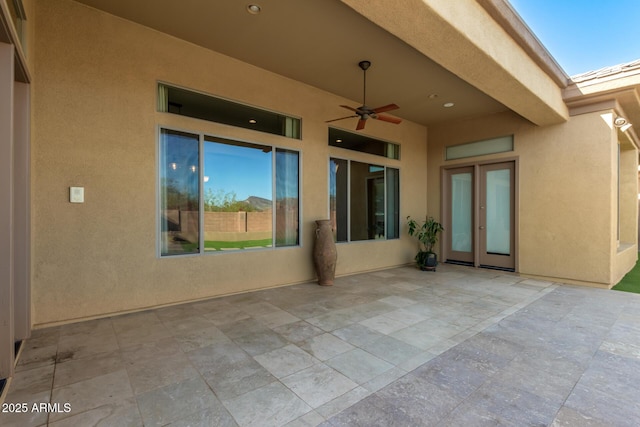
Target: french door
[[479, 215]]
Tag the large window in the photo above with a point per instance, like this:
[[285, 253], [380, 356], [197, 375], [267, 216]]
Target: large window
[[222, 195], [364, 201]]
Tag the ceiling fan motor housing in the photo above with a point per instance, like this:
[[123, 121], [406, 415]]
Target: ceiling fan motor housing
[[364, 65]]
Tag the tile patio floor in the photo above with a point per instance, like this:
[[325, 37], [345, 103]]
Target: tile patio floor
[[458, 347]]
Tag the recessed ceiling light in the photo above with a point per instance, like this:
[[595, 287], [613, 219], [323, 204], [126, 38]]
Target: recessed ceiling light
[[338, 140], [253, 9], [448, 104], [253, 121], [620, 121]]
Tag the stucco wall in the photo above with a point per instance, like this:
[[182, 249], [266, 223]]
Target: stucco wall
[[567, 191], [95, 125]]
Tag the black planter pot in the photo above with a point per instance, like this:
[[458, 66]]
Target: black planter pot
[[427, 261]]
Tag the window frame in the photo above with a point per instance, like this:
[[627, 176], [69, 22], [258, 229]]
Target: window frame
[[202, 135]]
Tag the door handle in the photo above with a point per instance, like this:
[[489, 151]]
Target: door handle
[[482, 227]]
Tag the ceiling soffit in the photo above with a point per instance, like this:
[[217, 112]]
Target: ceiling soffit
[[321, 42], [466, 40]]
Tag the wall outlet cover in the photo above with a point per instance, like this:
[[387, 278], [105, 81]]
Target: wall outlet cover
[[76, 194]]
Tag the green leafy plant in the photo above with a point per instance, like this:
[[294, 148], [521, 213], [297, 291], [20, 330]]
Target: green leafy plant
[[427, 235]]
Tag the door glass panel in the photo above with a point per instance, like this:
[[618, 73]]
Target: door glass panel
[[498, 206], [461, 198]]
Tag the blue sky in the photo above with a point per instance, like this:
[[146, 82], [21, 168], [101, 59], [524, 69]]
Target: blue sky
[[585, 35], [242, 170]]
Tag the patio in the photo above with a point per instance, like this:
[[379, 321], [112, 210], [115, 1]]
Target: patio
[[397, 347]]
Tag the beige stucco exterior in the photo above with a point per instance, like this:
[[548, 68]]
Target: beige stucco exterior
[[94, 124], [567, 181], [95, 99]]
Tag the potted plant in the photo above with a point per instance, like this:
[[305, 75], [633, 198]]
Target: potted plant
[[427, 235]]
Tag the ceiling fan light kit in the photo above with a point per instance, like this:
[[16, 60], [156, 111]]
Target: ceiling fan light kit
[[363, 112]]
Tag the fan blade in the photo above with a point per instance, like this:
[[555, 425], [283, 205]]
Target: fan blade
[[361, 124], [349, 108], [341, 118], [388, 119], [385, 108]]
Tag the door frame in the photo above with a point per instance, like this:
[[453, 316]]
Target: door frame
[[445, 209]]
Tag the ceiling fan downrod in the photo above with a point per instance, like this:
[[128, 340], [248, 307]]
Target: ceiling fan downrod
[[364, 65]]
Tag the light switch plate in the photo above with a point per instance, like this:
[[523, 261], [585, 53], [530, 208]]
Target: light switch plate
[[76, 194]]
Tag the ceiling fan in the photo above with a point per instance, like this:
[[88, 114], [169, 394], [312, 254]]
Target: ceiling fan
[[364, 112]]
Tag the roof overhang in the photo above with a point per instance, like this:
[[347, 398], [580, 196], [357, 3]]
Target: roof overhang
[[468, 39], [475, 53], [617, 88]]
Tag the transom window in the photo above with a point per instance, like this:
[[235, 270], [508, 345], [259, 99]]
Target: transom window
[[222, 195], [363, 143], [206, 107], [480, 148]]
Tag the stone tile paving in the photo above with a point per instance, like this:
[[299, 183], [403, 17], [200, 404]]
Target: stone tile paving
[[570, 358], [458, 347]]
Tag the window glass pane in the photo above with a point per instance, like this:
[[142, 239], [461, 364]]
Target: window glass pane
[[179, 193], [366, 202], [237, 195], [499, 212], [206, 107], [363, 143], [393, 203], [287, 198], [338, 198], [480, 148], [461, 198]]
